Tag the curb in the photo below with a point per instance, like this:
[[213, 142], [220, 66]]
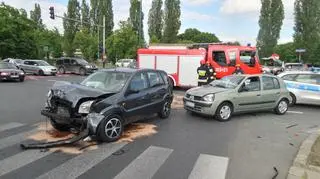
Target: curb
[[300, 168]]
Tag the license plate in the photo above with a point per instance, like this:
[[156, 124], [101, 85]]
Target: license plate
[[14, 76], [190, 104]]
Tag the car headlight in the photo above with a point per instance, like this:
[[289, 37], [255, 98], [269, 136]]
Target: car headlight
[[84, 108], [21, 73], [88, 66], [209, 97]]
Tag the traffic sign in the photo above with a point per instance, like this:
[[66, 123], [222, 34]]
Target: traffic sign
[[301, 50], [45, 48]]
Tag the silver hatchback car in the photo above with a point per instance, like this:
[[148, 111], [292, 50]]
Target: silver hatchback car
[[304, 86], [238, 93]]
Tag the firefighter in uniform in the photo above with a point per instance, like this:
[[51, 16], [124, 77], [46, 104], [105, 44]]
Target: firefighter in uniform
[[203, 73], [212, 73]]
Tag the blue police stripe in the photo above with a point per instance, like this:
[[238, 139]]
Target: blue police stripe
[[303, 87]]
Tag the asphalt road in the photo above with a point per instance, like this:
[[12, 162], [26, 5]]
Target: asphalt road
[[184, 146]]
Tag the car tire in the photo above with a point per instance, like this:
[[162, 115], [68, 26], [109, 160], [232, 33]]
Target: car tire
[[40, 73], [21, 79], [59, 127], [54, 74], [62, 70], [224, 112], [282, 107], [294, 99], [165, 110], [110, 129], [82, 71]]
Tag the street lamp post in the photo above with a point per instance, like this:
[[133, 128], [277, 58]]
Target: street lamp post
[[140, 19]]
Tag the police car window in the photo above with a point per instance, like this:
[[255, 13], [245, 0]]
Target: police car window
[[154, 79], [291, 77], [270, 83], [306, 78], [219, 57], [232, 58]]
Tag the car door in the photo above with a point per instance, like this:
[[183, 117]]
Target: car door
[[66, 63], [26, 67], [157, 90], [74, 66], [136, 98], [249, 95], [308, 88], [270, 91]]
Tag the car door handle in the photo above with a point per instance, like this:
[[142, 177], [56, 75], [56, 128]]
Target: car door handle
[[258, 94]]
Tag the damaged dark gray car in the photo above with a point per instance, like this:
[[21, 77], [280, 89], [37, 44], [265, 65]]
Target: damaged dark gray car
[[108, 100]]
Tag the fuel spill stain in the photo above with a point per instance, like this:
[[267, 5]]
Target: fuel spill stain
[[137, 130]]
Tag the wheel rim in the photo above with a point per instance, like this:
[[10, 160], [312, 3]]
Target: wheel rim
[[61, 70], [82, 72], [283, 106], [166, 109], [113, 128], [225, 112]]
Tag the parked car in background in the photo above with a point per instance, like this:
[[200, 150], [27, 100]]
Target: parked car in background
[[304, 86], [108, 100], [75, 65], [38, 67], [8, 71], [125, 63], [15, 62], [238, 93], [272, 66], [294, 67], [315, 69]]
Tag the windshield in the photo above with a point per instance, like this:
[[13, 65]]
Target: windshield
[[82, 61], [230, 82], [43, 63], [18, 61], [7, 66], [111, 81]]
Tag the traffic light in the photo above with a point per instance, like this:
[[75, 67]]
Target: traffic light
[[51, 12]]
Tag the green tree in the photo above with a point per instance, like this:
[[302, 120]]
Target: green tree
[[35, 15], [155, 22], [172, 21], [123, 42], [270, 22], [71, 27], [196, 36], [87, 43], [51, 39], [307, 28], [85, 15], [94, 14], [23, 12], [136, 19], [17, 38], [286, 52]]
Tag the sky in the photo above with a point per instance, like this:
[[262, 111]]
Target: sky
[[230, 20]]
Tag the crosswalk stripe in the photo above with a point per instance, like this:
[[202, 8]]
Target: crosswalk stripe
[[10, 125], [77, 166], [19, 160], [14, 139], [209, 167], [146, 164]]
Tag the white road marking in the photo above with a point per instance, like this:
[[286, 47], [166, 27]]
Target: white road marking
[[14, 139], [19, 160], [10, 125], [77, 166], [209, 167], [295, 112], [52, 80], [146, 164]]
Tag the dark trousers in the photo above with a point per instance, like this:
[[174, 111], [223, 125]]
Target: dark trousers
[[202, 83]]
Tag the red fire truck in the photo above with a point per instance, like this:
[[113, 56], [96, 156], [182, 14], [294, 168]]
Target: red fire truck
[[181, 63]]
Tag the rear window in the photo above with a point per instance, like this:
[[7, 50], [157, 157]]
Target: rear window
[[59, 62]]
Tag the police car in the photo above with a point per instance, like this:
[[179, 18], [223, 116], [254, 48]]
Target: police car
[[304, 86]]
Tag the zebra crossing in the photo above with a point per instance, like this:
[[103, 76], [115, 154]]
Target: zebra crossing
[[144, 166]]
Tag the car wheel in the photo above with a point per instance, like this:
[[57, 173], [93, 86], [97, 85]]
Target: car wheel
[[165, 110], [110, 129], [54, 74], [59, 127], [82, 71], [282, 107], [294, 99], [62, 70], [40, 73], [224, 112], [21, 79]]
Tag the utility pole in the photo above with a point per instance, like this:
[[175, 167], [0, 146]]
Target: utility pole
[[104, 41], [140, 19]]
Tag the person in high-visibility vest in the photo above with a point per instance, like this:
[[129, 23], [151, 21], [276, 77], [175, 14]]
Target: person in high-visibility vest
[[203, 73], [212, 74]]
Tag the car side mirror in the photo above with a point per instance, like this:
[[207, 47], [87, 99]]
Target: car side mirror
[[243, 89], [35, 64], [132, 91]]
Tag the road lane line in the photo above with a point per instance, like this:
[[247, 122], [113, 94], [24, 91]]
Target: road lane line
[[209, 167], [295, 112], [10, 125], [146, 164], [77, 166], [14, 139], [19, 160]]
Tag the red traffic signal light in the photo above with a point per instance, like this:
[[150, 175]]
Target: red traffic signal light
[[51, 9]]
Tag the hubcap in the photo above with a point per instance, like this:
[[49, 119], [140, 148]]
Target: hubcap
[[61, 70], [166, 108], [113, 128], [225, 112], [283, 106]]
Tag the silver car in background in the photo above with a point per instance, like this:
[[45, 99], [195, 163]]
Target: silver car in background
[[38, 67], [304, 86]]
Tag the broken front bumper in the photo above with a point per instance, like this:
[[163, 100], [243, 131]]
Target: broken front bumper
[[61, 119]]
